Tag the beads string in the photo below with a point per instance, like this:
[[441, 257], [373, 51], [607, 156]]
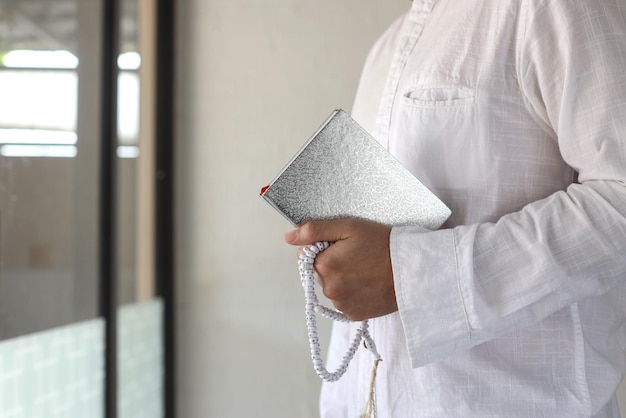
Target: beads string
[[313, 307]]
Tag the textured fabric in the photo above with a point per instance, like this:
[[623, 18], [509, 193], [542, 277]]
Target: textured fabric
[[514, 113]]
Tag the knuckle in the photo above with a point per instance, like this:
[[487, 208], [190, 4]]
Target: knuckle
[[332, 292], [350, 223], [325, 266], [355, 317], [349, 311], [342, 307], [321, 268], [308, 230]]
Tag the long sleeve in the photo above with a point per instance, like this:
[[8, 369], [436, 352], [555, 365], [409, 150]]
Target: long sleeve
[[513, 112], [465, 285]]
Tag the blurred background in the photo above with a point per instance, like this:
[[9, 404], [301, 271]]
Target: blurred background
[[140, 273]]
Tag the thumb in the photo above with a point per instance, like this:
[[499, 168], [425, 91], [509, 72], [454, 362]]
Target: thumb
[[314, 231]]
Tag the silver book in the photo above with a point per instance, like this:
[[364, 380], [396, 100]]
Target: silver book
[[343, 172]]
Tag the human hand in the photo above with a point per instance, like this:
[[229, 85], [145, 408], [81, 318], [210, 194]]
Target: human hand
[[355, 272]]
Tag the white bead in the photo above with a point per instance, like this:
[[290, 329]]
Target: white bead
[[312, 306]]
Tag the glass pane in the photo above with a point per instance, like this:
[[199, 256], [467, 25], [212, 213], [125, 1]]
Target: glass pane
[[140, 314], [135, 140], [48, 165], [127, 157], [129, 62], [140, 360]]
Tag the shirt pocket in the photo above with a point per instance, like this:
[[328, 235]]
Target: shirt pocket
[[444, 96]]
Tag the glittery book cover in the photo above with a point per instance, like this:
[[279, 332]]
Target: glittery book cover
[[342, 171]]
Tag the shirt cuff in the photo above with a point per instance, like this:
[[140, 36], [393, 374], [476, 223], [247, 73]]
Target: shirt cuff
[[429, 298]]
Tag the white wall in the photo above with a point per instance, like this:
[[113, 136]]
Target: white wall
[[257, 78]]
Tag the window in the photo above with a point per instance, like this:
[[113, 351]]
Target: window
[[80, 285]]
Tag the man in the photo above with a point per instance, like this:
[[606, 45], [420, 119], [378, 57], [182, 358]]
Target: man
[[513, 112]]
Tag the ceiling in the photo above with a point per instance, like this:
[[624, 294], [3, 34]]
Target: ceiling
[[53, 25]]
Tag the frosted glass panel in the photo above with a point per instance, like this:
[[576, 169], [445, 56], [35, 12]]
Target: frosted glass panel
[[56, 373], [140, 360]]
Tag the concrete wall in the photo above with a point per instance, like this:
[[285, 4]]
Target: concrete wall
[[257, 79]]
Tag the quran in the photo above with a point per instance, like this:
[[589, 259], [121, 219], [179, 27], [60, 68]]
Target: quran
[[341, 172]]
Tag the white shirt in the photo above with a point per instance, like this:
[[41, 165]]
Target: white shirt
[[514, 113]]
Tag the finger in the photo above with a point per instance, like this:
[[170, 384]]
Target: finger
[[314, 231]]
